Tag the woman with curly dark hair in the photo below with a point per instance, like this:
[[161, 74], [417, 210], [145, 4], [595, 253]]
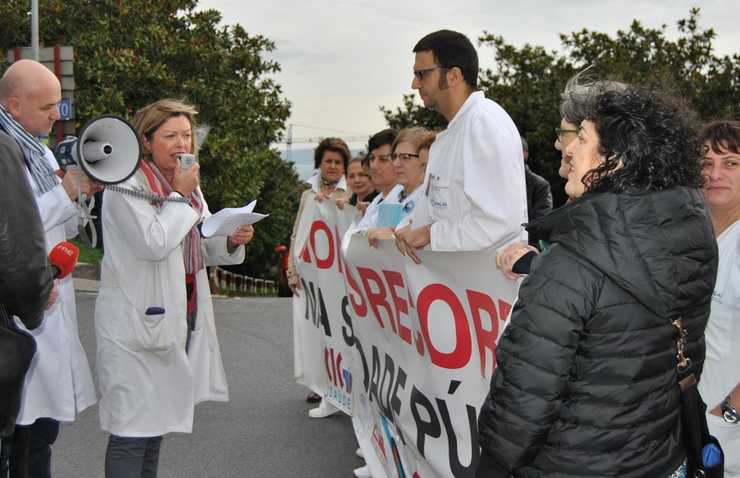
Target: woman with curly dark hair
[[586, 383]]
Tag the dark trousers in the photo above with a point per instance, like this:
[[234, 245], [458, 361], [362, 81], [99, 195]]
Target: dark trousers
[[4, 455], [132, 457], [30, 449]]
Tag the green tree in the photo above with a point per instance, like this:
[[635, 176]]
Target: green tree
[[528, 81], [129, 53]]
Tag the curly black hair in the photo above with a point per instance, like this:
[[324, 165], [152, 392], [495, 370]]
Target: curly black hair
[[649, 139]]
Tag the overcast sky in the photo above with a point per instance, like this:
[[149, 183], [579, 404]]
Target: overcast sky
[[342, 60]]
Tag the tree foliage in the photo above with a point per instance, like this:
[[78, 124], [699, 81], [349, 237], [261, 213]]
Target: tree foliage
[[129, 53], [528, 81]]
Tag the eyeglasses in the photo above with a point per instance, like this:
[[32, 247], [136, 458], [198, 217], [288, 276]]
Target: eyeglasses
[[404, 157], [383, 158], [419, 74], [560, 132]]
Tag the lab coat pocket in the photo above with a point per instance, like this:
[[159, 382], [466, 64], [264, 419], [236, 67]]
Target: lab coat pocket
[[150, 330], [440, 193], [718, 335]]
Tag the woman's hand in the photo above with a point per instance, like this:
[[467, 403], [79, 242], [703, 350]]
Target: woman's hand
[[362, 206], [185, 182], [377, 233], [506, 259], [52, 296], [400, 234], [242, 235], [341, 202]]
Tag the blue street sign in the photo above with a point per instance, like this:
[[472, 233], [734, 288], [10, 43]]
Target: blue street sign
[[65, 109]]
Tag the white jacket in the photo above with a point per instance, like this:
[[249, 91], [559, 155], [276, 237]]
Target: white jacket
[[475, 194], [59, 382], [149, 384], [721, 371]]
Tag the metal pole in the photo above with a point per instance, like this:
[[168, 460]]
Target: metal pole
[[35, 29]]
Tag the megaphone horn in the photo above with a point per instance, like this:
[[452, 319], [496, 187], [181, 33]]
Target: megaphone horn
[[108, 150]]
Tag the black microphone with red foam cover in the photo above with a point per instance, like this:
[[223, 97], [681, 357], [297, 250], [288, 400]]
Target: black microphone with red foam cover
[[63, 259]]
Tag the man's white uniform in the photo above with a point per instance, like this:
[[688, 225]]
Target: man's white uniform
[[59, 382], [474, 192]]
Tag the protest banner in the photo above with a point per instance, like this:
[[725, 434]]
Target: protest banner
[[321, 352], [406, 349], [425, 338]]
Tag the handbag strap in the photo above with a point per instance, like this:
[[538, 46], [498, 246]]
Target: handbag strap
[[5, 319], [692, 408]]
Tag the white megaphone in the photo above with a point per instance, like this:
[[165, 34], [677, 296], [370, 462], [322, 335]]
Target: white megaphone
[[109, 151]]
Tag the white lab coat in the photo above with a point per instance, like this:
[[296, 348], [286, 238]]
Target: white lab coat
[[149, 384], [722, 364], [474, 192], [59, 382]]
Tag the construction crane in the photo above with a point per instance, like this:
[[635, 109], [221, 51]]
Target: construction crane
[[289, 140]]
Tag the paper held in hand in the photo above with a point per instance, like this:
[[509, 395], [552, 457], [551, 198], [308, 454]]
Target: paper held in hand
[[225, 221]]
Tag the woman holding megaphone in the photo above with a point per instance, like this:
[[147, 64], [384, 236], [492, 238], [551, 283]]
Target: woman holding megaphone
[[158, 353]]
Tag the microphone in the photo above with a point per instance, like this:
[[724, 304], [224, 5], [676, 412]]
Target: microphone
[[63, 259]]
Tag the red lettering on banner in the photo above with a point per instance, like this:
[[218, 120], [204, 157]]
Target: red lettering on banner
[[376, 298], [338, 244], [355, 294], [304, 255], [337, 374], [331, 370], [504, 309], [460, 356], [328, 261], [486, 336], [395, 281]]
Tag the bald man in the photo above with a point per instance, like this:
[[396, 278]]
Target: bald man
[[59, 382]]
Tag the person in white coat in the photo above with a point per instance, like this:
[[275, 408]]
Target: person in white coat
[[59, 382], [474, 193], [158, 353], [720, 379]]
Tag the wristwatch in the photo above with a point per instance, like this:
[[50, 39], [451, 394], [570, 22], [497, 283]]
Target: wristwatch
[[729, 412]]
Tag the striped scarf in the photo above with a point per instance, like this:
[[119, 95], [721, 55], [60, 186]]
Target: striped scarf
[[192, 252], [34, 152]]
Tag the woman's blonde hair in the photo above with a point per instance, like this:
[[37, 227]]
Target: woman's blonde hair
[[414, 135], [151, 117]]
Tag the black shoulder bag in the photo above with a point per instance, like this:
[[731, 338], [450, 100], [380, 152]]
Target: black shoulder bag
[[694, 428], [17, 348]]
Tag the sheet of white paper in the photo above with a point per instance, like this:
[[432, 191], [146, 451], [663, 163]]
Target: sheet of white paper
[[225, 221]]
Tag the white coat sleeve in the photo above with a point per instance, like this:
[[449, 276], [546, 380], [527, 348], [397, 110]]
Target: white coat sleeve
[[55, 208]]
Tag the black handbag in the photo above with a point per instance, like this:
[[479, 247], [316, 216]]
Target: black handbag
[[17, 348], [694, 428]]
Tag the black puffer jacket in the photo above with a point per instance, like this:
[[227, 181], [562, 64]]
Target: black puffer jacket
[[25, 276], [586, 378]]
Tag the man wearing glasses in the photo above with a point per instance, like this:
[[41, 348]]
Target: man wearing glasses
[[475, 192]]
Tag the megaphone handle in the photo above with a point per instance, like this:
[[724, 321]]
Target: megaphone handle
[[82, 214], [85, 239], [81, 198]]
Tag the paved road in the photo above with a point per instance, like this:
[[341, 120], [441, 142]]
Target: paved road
[[263, 432]]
